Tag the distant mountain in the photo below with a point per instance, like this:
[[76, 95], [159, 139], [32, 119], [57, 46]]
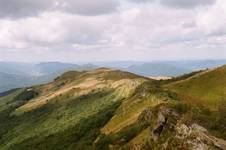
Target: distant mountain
[[197, 64], [54, 67], [162, 68], [118, 64], [15, 75], [9, 81], [16, 68], [157, 69]]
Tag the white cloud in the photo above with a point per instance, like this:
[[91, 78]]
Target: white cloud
[[51, 29], [212, 19], [124, 30]]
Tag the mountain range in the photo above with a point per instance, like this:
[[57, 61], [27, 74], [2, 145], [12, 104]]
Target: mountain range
[[17, 74], [107, 108]]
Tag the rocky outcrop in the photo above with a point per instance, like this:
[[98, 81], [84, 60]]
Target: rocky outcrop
[[167, 132], [196, 137]]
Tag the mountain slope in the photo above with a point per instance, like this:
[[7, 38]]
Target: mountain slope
[[68, 101], [206, 88], [100, 109]]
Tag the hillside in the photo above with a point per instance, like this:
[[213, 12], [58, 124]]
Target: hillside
[[206, 88], [102, 109]]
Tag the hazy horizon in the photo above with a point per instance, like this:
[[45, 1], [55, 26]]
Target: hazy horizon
[[116, 61]]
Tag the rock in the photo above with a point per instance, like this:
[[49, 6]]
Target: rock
[[182, 131], [198, 128], [146, 115]]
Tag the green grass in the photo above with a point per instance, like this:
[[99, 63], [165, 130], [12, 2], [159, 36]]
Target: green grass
[[78, 121], [205, 89], [62, 114], [10, 100], [147, 94], [203, 99], [118, 75], [79, 136], [214, 121], [122, 137], [54, 117]]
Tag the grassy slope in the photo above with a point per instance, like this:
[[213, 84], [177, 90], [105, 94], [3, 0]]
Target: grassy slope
[[72, 113], [208, 88], [204, 100], [131, 108], [94, 110]]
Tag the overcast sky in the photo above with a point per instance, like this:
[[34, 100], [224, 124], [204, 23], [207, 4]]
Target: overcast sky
[[110, 30]]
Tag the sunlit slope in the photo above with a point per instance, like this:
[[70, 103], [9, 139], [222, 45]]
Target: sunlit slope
[[145, 96], [106, 109], [206, 88], [75, 104]]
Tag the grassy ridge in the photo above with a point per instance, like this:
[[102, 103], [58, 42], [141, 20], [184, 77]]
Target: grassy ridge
[[71, 119], [103, 109], [203, 98], [207, 89]]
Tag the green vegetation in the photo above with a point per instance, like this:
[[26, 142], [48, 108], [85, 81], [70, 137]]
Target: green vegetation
[[207, 89], [65, 121], [79, 136], [122, 137], [214, 121], [204, 99], [182, 77], [109, 109], [56, 117], [118, 75]]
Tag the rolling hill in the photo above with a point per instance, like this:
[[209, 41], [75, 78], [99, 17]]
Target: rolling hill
[[109, 109], [206, 88]]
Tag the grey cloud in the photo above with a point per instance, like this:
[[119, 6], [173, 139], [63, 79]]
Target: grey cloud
[[141, 1], [186, 3], [20, 8], [23, 8], [178, 3], [90, 8]]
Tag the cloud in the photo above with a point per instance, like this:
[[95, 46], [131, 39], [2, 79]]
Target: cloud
[[21, 8], [212, 20], [141, 1], [27, 8], [24, 8], [51, 29], [87, 7], [112, 30], [178, 3], [186, 3]]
